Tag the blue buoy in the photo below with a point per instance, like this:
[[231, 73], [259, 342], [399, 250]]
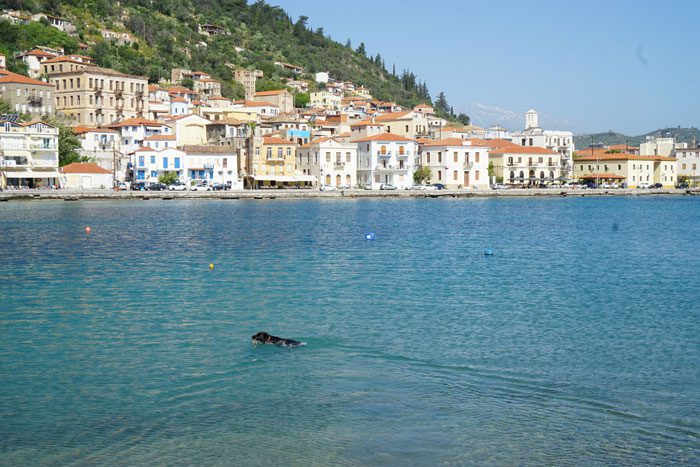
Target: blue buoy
[[369, 236], [488, 252]]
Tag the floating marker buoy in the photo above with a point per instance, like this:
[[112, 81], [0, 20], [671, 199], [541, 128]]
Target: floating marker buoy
[[88, 229], [369, 236], [211, 266], [488, 252]]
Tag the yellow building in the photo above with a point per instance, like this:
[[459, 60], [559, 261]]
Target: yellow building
[[271, 162], [637, 171], [189, 129]]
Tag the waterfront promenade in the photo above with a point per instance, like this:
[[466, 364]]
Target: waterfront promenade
[[74, 195]]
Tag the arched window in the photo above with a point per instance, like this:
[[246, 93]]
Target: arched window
[[542, 175], [328, 179], [337, 180], [347, 180], [551, 174], [512, 176], [522, 176]]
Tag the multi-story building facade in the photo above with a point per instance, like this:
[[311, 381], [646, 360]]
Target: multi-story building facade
[[325, 100], [524, 165], [386, 158], [28, 155], [271, 162], [660, 146], [457, 163], [102, 145], [149, 163], [33, 59], [95, 96], [561, 142], [212, 164], [332, 162], [689, 164], [26, 95], [635, 170], [134, 131]]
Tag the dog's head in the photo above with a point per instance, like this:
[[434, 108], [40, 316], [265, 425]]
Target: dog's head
[[261, 337]]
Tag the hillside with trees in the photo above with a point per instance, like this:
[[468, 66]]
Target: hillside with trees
[[610, 138], [168, 36]]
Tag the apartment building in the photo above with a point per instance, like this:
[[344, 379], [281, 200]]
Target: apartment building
[[386, 158], [332, 162], [28, 155], [524, 165], [635, 170], [94, 96], [26, 95], [457, 163], [248, 79]]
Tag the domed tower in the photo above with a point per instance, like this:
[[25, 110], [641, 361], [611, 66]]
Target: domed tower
[[531, 119]]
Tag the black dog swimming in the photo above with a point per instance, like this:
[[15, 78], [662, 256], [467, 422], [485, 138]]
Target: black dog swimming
[[265, 338]]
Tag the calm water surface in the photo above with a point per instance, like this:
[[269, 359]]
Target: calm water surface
[[577, 343]]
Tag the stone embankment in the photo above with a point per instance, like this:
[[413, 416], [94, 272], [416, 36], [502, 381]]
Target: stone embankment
[[75, 195]]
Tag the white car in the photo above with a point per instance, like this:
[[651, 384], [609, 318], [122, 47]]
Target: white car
[[430, 188], [327, 188], [200, 187], [417, 187], [643, 185], [177, 186]]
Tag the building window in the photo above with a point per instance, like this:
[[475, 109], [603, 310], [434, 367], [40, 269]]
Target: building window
[[476, 158], [439, 157], [427, 157], [153, 159], [476, 175], [347, 157], [455, 158], [439, 174], [454, 175]]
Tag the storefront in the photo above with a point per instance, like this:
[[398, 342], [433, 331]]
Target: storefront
[[26, 178]]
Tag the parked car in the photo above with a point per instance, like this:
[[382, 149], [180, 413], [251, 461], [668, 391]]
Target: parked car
[[501, 187], [121, 186], [433, 187], [438, 186], [416, 187], [177, 186], [643, 185], [327, 188], [387, 186], [201, 187], [138, 186], [614, 185], [228, 185], [683, 185], [217, 186], [156, 187], [623, 185], [367, 186], [591, 185], [656, 186], [605, 185]]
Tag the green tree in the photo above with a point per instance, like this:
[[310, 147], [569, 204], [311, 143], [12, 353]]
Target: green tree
[[361, 49], [187, 83], [491, 169], [301, 99], [442, 108], [5, 107], [68, 144], [168, 178], [422, 174]]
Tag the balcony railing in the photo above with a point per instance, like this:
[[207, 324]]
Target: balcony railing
[[339, 166], [468, 164], [46, 147], [390, 167]]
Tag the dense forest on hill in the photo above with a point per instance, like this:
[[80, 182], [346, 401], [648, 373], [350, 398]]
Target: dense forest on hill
[[257, 36]]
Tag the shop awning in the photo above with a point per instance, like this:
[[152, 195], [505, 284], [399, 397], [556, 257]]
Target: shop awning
[[601, 175], [284, 178]]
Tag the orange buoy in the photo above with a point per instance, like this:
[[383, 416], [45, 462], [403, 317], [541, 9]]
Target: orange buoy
[[87, 229]]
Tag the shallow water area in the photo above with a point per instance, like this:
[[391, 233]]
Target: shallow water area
[[576, 342]]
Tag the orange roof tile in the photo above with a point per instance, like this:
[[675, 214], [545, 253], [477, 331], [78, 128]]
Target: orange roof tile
[[621, 157], [383, 137], [268, 140], [160, 138], [135, 122], [84, 168], [79, 130], [9, 77]]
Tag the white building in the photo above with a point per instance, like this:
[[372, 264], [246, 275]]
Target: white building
[[386, 158], [322, 77], [524, 165], [457, 163], [331, 161], [28, 155], [660, 146], [558, 141], [102, 145], [86, 176], [213, 164], [149, 164], [134, 130], [33, 59]]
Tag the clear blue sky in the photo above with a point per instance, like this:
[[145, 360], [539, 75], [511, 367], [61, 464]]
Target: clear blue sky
[[629, 66]]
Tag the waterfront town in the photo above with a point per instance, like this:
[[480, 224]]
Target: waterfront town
[[136, 135]]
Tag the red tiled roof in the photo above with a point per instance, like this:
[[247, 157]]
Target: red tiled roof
[[9, 77], [383, 137], [601, 175], [621, 157], [84, 168], [79, 130], [270, 93], [135, 122], [160, 138], [269, 140]]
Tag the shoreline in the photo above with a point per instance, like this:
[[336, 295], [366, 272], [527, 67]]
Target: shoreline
[[97, 195]]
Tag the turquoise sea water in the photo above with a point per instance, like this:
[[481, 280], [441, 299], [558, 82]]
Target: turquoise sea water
[[577, 343]]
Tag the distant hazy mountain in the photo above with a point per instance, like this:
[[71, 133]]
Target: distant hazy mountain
[[610, 138]]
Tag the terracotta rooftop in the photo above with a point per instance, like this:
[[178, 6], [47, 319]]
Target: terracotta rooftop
[[84, 168], [383, 137]]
